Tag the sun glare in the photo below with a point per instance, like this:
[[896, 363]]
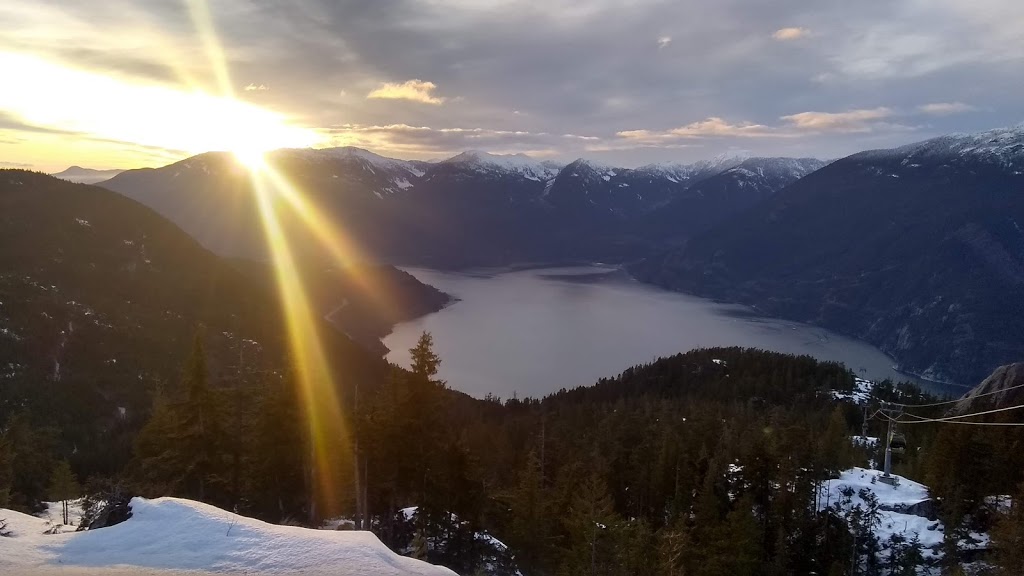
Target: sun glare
[[171, 118], [178, 120], [252, 158]]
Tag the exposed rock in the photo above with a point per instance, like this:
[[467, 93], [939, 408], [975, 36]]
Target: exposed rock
[[996, 391]]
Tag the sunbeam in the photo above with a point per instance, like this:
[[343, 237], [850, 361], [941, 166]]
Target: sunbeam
[[327, 426], [343, 251]]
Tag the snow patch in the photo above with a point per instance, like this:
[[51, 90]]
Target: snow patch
[[177, 534], [861, 392]]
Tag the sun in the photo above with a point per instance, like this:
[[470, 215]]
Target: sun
[[173, 119], [252, 158]]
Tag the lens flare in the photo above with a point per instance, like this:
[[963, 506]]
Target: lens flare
[[158, 116], [322, 409]]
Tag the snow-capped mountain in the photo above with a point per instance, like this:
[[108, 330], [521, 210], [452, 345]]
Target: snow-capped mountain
[[497, 165], [509, 207], [693, 172], [909, 249], [712, 199], [1001, 147]]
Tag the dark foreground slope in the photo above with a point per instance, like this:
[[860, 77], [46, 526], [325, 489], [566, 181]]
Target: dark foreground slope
[[100, 299], [918, 250]]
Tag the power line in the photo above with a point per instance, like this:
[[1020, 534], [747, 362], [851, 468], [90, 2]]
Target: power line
[[957, 400], [957, 419], [962, 416]]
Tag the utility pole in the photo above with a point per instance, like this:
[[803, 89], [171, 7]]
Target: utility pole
[[888, 450], [891, 414]]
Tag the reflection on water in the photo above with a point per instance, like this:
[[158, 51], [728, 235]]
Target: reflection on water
[[531, 332]]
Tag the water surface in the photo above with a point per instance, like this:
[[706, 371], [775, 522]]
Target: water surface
[[532, 332]]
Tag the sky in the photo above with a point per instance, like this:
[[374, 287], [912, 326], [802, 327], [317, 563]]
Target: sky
[[121, 84]]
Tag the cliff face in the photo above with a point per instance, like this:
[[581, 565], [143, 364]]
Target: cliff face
[[1005, 387]]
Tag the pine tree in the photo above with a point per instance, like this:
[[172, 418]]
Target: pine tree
[[277, 451], [424, 360], [1008, 537], [834, 447], [529, 529], [183, 449], [64, 487], [6, 471], [590, 525]]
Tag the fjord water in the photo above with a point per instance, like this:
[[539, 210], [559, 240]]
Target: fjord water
[[531, 332]]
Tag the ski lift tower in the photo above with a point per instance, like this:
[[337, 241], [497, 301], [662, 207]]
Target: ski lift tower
[[894, 442]]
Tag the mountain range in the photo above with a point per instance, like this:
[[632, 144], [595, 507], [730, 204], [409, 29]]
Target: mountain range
[[916, 249], [474, 209], [86, 175]]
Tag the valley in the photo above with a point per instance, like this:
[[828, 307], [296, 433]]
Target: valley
[[529, 332], [916, 250]]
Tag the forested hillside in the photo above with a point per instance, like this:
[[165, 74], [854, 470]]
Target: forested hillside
[[918, 250], [709, 463], [100, 301]]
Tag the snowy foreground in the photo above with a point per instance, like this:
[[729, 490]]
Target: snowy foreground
[[174, 536], [901, 507]]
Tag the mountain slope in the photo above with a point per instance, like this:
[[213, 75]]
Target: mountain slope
[[918, 249], [86, 175], [1003, 388], [100, 298], [474, 209], [712, 199]]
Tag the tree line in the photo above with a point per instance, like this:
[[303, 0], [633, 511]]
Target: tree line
[[701, 464]]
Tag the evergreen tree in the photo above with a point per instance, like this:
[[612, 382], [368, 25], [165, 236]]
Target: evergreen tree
[[1008, 537], [6, 471], [64, 487], [184, 448], [590, 527], [31, 457], [529, 529], [424, 360], [276, 455], [835, 447]]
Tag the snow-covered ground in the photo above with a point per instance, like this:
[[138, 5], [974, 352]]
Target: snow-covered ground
[[868, 442], [861, 392], [895, 504], [170, 535]]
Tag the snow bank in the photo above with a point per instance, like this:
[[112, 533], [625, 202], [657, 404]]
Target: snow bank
[[176, 534], [896, 504]]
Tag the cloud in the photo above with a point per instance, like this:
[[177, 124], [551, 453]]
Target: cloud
[[792, 126], [15, 165], [256, 88], [945, 108], [405, 140], [785, 34], [849, 121], [568, 67], [709, 128], [415, 90]]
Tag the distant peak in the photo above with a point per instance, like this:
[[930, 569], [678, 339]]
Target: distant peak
[[511, 163]]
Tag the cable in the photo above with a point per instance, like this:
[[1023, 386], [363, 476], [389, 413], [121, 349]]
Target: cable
[[921, 420], [962, 416], [962, 399]]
